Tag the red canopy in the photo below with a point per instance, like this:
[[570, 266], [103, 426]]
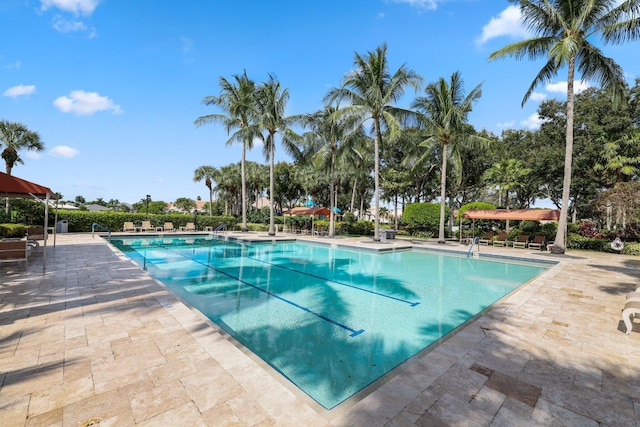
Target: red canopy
[[514, 214], [308, 211], [11, 186]]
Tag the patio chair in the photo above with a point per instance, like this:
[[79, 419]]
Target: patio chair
[[521, 241], [33, 235], [538, 242], [189, 227], [146, 226], [168, 226], [631, 310], [488, 237], [128, 226], [501, 239]]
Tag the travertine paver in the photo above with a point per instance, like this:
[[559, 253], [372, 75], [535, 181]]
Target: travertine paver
[[93, 340]]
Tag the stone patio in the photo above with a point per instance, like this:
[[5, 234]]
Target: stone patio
[[94, 340]]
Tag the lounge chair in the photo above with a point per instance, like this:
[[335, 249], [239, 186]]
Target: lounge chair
[[146, 226], [631, 310], [488, 237], [128, 226], [538, 242], [521, 241], [501, 240], [168, 226], [189, 227]]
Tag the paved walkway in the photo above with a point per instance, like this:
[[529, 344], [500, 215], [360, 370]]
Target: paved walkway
[[95, 341]]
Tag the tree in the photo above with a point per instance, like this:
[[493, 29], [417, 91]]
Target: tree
[[238, 101], [15, 137], [271, 103], [371, 90], [185, 204], [443, 111], [207, 173], [562, 31], [327, 140]]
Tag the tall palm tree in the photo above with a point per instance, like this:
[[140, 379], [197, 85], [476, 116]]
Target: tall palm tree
[[237, 100], [563, 29], [271, 103], [207, 173], [15, 137], [371, 90], [329, 138], [444, 111]]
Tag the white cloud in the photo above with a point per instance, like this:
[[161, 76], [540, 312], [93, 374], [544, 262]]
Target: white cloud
[[85, 103], [64, 26], [423, 4], [63, 151], [506, 24], [561, 87], [77, 7], [506, 125], [20, 90], [532, 122], [537, 96]]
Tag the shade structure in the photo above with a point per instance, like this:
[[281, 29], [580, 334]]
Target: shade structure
[[12, 186], [307, 211], [514, 214]]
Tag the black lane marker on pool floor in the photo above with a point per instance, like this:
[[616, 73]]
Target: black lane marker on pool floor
[[412, 304], [308, 310]]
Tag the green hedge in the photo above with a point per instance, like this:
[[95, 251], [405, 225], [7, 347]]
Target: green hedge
[[423, 218], [81, 221]]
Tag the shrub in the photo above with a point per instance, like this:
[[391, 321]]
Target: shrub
[[13, 230], [530, 227], [423, 217], [631, 248], [475, 206]]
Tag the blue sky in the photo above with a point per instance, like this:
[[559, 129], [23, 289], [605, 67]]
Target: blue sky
[[113, 86]]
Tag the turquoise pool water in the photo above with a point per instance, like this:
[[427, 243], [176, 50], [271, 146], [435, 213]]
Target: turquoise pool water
[[330, 320]]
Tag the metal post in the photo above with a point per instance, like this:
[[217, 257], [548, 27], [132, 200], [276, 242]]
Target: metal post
[[148, 197]]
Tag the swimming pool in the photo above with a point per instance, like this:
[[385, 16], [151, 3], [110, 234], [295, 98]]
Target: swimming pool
[[331, 320]]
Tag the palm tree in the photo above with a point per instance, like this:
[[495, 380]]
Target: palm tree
[[328, 139], [372, 91], [16, 137], [443, 112], [237, 100], [207, 173], [271, 103], [562, 31]]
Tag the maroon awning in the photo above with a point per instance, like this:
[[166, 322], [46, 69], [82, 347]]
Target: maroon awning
[[514, 214], [11, 186]]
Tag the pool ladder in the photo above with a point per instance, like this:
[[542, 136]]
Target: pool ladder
[[221, 227], [96, 225], [475, 241]]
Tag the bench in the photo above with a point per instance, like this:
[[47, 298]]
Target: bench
[[14, 250]]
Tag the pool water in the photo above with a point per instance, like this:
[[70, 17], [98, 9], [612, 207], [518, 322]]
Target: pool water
[[331, 320]]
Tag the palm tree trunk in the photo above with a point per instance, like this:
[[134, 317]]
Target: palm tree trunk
[[443, 192], [558, 246], [244, 187], [376, 177], [331, 193], [272, 231], [353, 193]]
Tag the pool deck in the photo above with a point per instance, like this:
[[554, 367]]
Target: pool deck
[[94, 340]]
